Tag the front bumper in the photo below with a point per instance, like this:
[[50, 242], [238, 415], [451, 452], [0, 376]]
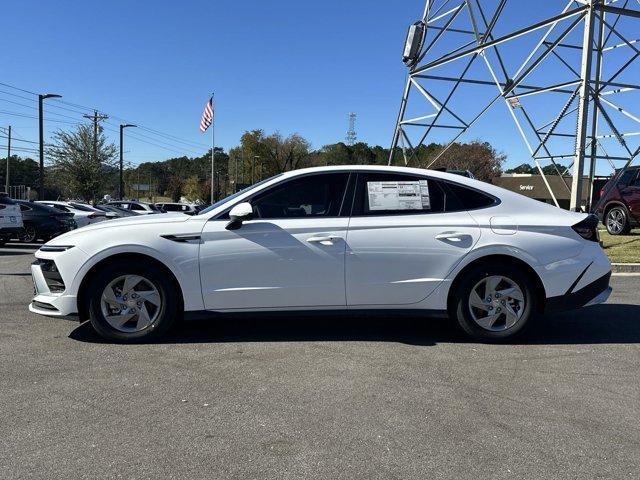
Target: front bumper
[[11, 231], [595, 292], [48, 303]]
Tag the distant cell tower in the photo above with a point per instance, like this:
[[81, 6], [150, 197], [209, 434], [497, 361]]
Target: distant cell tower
[[351, 133]]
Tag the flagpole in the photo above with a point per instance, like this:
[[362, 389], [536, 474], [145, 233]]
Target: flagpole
[[213, 152]]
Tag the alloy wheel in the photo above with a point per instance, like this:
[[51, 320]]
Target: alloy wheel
[[615, 221], [496, 303], [28, 235], [131, 303]]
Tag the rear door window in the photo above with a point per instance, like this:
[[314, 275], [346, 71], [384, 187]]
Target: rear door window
[[397, 194]]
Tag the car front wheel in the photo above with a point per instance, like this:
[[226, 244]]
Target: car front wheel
[[132, 302], [494, 302], [617, 222]]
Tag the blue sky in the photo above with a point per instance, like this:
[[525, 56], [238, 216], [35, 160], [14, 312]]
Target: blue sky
[[291, 66]]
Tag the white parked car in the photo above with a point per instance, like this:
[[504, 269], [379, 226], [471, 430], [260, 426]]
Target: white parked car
[[332, 238], [82, 216], [10, 218], [170, 207], [141, 208]]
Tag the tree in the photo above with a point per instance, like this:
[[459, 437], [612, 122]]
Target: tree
[[276, 153], [550, 169], [83, 175], [192, 190], [480, 158], [522, 168], [22, 171]]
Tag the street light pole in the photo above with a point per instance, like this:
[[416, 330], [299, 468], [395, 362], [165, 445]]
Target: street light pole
[[41, 99], [8, 160], [121, 183]]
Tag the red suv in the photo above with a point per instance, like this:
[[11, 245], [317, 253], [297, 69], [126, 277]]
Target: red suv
[[619, 210]]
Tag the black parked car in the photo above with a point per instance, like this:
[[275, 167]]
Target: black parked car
[[43, 222]]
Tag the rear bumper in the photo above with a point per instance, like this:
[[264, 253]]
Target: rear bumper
[[595, 292]]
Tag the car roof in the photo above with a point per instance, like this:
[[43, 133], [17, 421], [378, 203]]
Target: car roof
[[451, 177], [39, 206]]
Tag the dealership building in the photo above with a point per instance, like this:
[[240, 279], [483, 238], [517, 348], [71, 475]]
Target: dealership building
[[533, 186]]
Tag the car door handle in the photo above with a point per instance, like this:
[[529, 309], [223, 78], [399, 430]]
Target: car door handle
[[323, 239], [451, 236]]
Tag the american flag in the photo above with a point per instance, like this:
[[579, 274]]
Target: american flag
[[207, 116]]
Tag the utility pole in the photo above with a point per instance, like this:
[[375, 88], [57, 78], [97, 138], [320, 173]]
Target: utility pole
[[41, 99], [243, 164], [8, 159], [121, 182], [95, 118], [253, 168], [235, 185]]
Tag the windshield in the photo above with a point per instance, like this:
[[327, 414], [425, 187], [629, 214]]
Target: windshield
[[237, 194]]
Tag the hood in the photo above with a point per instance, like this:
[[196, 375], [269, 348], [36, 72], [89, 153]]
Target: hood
[[121, 223]]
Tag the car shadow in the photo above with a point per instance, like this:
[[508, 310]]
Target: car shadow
[[609, 323]]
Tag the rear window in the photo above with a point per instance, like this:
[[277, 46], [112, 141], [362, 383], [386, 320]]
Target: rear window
[[81, 207], [58, 207], [170, 207], [6, 200], [627, 177]]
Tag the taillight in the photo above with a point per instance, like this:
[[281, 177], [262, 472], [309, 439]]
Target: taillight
[[588, 228]]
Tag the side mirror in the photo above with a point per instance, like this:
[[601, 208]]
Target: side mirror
[[238, 214]]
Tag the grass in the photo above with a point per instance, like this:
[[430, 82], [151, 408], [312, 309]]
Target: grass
[[622, 248]]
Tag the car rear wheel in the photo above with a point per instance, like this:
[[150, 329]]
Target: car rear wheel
[[28, 235], [132, 302], [617, 221], [494, 302]]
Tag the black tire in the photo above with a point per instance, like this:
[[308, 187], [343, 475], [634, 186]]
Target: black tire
[[167, 311], [29, 234], [617, 221], [463, 312]]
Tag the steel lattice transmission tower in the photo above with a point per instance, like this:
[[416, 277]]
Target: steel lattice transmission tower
[[351, 132], [565, 73]]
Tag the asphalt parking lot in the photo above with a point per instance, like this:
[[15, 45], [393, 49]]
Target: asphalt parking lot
[[319, 398]]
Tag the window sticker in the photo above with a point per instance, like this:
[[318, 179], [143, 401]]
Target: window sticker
[[409, 195]]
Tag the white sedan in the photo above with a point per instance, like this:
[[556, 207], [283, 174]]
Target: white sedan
[[331, 239]]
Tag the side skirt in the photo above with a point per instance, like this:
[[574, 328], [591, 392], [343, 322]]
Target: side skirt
[[372, 313]]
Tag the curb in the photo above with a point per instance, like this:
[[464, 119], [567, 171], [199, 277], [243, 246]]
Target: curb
[[625, 267]]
